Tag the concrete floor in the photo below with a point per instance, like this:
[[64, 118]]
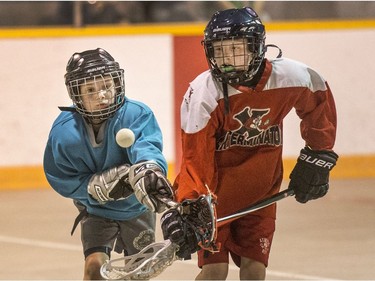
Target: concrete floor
[[331, 239]]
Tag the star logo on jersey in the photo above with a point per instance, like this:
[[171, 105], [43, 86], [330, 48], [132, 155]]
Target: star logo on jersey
[[250, 121], [253, 130]]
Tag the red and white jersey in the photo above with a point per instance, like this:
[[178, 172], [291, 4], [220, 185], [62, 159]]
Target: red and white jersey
[[238, 155]]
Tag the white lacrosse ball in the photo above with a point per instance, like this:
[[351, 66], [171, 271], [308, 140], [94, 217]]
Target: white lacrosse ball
[[125, 137]]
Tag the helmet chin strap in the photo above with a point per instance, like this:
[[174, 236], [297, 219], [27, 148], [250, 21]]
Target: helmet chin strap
[[94, 121], [274, 46], [67, 108], [251, 83], [226, 98]]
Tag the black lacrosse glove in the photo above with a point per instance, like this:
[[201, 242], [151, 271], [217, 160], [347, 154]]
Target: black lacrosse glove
[[176, 229], [150, 184], [310, 177]]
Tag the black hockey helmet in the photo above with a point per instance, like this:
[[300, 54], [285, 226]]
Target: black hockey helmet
[[92, 65], [235, 24]]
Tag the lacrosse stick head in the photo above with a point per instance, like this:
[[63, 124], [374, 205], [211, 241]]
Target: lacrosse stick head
[[148, 263]]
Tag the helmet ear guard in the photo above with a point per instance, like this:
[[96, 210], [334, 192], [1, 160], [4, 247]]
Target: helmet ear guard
[[89, 66]]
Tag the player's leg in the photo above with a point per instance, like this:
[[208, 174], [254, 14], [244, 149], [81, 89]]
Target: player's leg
[[98, 236], [136, 234], [93, 262], [130, 236], [252, 270], [250, 243], [214, 271], [215, 265]]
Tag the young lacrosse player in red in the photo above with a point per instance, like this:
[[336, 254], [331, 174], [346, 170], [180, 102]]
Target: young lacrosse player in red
[[114, 187], [232, 139]]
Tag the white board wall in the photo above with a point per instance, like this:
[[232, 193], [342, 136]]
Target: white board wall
[[32, 85]]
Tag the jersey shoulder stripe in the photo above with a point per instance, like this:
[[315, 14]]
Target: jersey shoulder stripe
[[288, 73]]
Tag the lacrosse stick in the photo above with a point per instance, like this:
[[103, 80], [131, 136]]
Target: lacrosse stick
[[257, 206], [148, 263], [156, 257]]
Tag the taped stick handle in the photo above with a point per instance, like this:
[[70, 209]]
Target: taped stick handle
[[169, 202], [257, 206]]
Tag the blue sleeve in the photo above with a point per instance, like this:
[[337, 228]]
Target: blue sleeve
[[65, 167]]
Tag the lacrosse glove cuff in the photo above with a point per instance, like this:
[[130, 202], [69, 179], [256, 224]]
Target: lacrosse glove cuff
[[310, 177], [149, 183]]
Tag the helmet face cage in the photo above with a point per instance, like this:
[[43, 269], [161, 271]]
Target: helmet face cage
[[99, 96], [232, 55], [237, 25], [95, 84]]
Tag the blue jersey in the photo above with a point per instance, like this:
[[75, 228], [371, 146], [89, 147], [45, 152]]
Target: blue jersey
[[72, 156]]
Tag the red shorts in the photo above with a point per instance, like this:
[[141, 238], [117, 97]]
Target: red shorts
[[249, 237]]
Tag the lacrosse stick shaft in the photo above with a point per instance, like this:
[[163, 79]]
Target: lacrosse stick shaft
[[170, 203], [257, 206]]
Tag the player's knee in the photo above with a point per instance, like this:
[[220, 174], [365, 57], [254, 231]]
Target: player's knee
[[92, 266], [217, 271], [252, 270]]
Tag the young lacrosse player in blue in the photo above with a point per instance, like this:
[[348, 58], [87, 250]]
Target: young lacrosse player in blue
[[114, 188]]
